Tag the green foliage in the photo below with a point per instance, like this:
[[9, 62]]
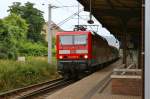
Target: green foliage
[[53, 46], [20, 32], [3, 30], [16, 8], [13, 29], [32, 49], [24, 22], [17, 27], [25, 73], [3, 33], [34, 18]]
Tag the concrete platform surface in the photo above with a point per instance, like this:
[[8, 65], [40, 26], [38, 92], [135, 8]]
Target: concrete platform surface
[[87, 87]]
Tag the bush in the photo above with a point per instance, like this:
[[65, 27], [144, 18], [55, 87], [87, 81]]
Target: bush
[[18, 74]]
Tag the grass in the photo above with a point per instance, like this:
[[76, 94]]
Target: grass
[[15, 74]]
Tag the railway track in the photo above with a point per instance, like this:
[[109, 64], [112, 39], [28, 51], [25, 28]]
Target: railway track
[[35, 90]]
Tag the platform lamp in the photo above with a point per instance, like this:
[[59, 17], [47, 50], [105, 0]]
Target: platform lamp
[[90, 21]]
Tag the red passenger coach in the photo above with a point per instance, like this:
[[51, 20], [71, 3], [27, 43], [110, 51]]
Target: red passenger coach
[[79, 51]]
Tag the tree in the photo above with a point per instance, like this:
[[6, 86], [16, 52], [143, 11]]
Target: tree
[[17, 27], [34, 18], [13, 30], [16, 8]]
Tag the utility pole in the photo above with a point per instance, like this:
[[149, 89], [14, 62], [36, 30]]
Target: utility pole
[[49, 35]]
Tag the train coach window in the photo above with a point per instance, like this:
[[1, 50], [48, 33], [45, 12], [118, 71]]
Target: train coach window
[[66, 40], [80, 39]]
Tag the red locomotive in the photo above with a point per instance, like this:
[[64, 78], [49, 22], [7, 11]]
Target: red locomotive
[[80, 51]]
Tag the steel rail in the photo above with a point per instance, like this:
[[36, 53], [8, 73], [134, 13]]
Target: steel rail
[[46, 89], [25, 89]]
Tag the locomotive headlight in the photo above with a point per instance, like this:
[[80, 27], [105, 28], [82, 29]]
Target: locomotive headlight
[[60, 57], [85, 56]]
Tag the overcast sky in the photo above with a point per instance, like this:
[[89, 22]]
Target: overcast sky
[[58, 14]]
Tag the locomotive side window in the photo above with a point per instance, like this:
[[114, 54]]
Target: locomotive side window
[[80, 39], [66, 40]]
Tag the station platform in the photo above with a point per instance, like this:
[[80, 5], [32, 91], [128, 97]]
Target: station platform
[[92, 87], [106, 94]]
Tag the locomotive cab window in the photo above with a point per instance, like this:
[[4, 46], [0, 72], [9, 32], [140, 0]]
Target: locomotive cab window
[[66, 40], [80, 39]]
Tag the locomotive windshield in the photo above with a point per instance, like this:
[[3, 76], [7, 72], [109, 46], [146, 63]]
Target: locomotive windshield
[[73, 39], [66, 40], [80, 39]]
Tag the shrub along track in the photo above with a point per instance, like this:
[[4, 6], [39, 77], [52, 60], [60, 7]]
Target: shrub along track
[[35, 90]]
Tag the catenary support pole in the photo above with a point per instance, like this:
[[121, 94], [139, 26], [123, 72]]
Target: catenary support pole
[[49, 35]]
